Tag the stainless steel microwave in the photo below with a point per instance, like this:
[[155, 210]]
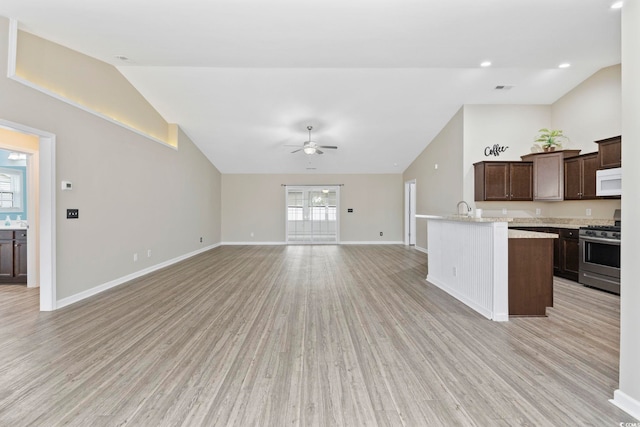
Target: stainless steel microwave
[[609, 182]]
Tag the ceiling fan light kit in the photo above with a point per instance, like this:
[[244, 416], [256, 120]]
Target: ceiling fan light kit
[[310, 147]]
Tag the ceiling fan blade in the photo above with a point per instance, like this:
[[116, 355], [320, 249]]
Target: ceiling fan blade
[[295, 151], [330, 147], [319, 151]]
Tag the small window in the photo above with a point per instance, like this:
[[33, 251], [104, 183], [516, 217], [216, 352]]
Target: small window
[[10, 190]]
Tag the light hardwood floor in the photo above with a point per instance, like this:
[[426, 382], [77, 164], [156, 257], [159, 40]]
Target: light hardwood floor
[[304, 335]]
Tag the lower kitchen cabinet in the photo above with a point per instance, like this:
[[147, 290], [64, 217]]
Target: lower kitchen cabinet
[[13, 256], [569, 254], [566, 253], [530, 276]]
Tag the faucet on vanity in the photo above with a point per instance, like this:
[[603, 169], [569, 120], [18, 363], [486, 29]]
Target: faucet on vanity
[[468, 211]]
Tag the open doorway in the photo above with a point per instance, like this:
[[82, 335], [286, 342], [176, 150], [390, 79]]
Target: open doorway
[[410, 212], [39, 148], [16, 267]]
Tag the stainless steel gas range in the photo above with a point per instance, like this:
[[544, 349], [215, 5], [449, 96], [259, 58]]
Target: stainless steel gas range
[[600, 256]]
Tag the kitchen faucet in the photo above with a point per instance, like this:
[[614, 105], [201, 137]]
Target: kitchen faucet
[[466, 204]]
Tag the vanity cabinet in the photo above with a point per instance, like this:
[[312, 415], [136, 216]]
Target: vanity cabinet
[[580, 177], [13, 256], [610, 151], [548, 173], [501, 181]]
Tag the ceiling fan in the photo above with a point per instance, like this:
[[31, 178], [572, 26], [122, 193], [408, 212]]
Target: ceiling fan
[[311, 147]]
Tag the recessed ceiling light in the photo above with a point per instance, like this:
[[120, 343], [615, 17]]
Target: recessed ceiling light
[[485, 64], [564, 65], [617, 5]]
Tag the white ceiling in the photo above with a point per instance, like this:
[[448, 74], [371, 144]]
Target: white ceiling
[[377, 78]]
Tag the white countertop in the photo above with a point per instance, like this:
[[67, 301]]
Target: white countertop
[[522, 234], [465, 218], [13, 227]]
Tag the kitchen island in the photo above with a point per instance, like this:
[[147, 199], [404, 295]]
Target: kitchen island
[[469, 259]]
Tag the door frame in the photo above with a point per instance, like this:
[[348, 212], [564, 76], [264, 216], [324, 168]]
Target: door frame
[[410, 212], [41, 167]]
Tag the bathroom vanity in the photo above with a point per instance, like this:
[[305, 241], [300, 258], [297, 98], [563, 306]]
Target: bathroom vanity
[[13, 255]]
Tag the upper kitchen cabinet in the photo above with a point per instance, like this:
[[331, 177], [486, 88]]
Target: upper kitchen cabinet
[[610, 151], [501, 181], [548, 173], [580, 177]]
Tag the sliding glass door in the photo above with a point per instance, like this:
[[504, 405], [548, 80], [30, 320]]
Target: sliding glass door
[[312, 214]]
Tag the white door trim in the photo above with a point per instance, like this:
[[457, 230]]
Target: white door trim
[[410, 212], [46, 162]]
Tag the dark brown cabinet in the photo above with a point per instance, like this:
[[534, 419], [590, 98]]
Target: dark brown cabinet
[[580, 177], [610, 151], [500, 181], [569, 254], [530, 276], [566, 255], [13, 256], [548, 174]]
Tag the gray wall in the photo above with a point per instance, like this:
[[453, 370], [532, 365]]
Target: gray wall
[[630, 294], [255, 203], [133, 194], [438, 190]]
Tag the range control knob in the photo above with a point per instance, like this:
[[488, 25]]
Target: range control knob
[[616, 235], [590, 233], [603, 233]]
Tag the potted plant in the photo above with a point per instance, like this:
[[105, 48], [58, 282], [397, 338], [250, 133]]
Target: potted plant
[[550, 139]]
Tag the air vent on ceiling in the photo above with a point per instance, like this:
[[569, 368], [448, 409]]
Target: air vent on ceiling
[[504, 87]]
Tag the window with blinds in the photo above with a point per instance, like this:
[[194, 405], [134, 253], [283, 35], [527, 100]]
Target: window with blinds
[[10, 190]]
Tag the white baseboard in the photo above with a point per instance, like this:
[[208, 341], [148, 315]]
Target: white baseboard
[[627, 403], [399, 242], [460, 297], [419, 249], [112, 284], [252, 243], [320, 243]]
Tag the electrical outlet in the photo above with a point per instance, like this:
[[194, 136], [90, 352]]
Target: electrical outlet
[[73, 214], [588, 212], [381, 233], [251, 234], [455, 272], [135, 257], [148, 253], [538, 211], [504, 211], [201, 240]]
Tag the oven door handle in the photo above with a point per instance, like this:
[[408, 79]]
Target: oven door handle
[[600, 240]]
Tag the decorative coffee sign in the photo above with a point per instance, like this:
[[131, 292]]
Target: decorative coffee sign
[[495, 150]]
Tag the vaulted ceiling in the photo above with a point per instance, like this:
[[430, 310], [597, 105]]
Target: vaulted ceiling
[[377, 78]]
